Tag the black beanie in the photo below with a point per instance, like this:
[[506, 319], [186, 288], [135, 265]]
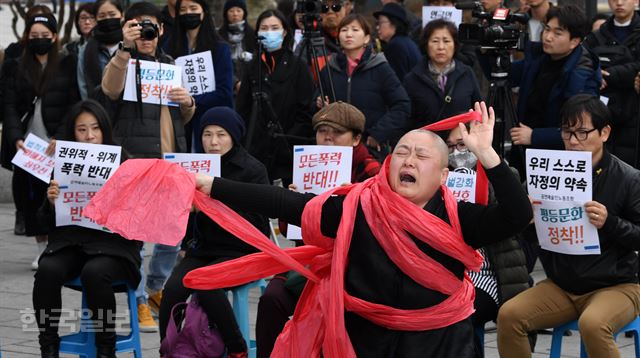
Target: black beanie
[[235, 3], [47, 20], [226, 118]]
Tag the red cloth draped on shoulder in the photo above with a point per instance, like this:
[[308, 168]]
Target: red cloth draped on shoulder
[[482, 183]]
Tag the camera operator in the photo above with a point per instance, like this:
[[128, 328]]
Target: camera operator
[[616, 44], [143, 129], [280, 85], [557, 69]]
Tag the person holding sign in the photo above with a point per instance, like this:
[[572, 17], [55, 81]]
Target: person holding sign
[[339, 124], [40, 90], [440, 86], [600, 291], [145, 130], [221, 131], [365, 297], [97, 256], [194, 33]]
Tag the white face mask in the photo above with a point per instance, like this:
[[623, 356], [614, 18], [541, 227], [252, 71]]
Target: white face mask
[[462, 159]]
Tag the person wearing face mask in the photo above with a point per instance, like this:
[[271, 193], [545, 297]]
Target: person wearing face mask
[[194, 32], [367, 81], [503, 274], [239, 34], [284, 119], [44, 74], [220, 132], [106, 36]]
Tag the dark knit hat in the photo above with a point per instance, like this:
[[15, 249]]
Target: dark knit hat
[[226, 118], [235, 3], [47, 20], [393, 10], [341, 116]]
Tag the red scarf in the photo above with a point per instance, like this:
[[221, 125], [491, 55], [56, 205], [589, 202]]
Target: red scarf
[[482, 183]]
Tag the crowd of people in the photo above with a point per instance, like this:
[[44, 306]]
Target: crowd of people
[[410, 271]]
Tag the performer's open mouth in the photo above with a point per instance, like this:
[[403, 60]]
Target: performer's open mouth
[[407, 178]]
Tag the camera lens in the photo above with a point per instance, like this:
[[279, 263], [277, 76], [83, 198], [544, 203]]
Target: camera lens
[[149, 33]]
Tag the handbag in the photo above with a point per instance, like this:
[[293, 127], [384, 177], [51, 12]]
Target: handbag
[[190, 336]]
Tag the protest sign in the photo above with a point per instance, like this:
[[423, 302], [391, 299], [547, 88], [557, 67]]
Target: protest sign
[[462, 186], [448, 13], [33, 159], [559, 175], [81, 169], [208, 164], [156, 80], [317, 169], [198, 75], [563, 227]]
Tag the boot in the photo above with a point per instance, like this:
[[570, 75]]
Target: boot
[[19, 228], [50, 351], [106, 344]]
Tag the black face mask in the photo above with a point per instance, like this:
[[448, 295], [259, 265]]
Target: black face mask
[[190, 21], [108, 31], [40, 46]]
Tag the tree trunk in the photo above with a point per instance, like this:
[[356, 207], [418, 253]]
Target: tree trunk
[[68, 27]]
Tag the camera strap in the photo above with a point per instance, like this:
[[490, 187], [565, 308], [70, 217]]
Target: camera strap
[[138, 88], [447, 100]]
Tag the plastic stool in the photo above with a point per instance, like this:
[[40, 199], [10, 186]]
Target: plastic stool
[[558, 333], [84, 343], [241, 310]]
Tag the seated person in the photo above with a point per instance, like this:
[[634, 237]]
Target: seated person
[[221, 130], [600, 291], [98, 257]]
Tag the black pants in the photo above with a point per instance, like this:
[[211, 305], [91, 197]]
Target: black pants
[[97, 272], [274, 308], [213, 302], [486, 310], [29, 194]]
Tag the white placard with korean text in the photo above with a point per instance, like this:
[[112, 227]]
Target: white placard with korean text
[[208, 164], [156, 80], [81, 170], [317, 169], [462, 186], [448, 13], [33, 159], [563, 227], [559, 175], [198, 75]]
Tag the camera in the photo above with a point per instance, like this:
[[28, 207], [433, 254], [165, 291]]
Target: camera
[[308, 6], [149, 30], [498, 30], [310, 10]]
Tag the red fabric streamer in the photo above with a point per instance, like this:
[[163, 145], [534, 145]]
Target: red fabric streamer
[[482, 183]]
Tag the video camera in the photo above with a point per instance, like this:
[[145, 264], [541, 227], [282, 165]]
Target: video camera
[[310, 10], [498, 30]]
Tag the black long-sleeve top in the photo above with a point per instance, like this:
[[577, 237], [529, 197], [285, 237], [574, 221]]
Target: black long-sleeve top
[[372, 276]]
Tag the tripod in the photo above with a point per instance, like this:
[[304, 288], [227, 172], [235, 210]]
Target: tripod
[[312, 45]]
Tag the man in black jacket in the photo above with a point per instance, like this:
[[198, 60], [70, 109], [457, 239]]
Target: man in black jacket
[[600, 291], [616, 44]]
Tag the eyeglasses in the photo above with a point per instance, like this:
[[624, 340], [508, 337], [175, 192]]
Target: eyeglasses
[[580, 134], [86, 18], [460, 146], [334, 7]]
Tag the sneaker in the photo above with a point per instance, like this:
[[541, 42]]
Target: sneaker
[[145, 320], [154, 302], [34, 264]]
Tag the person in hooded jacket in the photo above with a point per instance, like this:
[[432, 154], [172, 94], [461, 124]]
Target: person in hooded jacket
[[193, 32], [240, 35], [367, 81], [221, 130], [38, 93], [284, 118]]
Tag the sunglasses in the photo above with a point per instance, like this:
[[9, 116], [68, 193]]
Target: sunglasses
[[335, 8]]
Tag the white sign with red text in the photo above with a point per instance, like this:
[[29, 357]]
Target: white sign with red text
[[564, 227], [202, 163], [462, 186], [33, 159]]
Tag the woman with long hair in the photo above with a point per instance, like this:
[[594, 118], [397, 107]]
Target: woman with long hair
[[38, 94], [97, 256], [194, 32]]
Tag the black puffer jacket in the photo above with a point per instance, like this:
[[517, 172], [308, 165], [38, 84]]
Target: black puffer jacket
[[428, 104], [374, 89], [61, 93], [622, 61], [211, 240], [616, 185]]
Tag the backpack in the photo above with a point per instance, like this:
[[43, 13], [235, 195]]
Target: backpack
[[190, 336]]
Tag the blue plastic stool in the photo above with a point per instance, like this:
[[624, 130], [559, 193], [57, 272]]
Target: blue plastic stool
[[84, 343], [558, 333], [241, 310]]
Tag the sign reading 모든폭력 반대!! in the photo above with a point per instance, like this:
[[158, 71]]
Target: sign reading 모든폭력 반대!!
[[208, 164]]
